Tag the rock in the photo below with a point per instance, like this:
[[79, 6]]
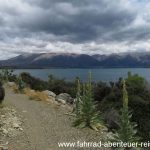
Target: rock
[[65, 97], [5, 148], [10, 122], [11, 84], [50, 93], [61, 101], [2, 116], [56, 103], [5, 131], [16, 125], [33, 91], [20, 129], [2, 93], [51, 100]]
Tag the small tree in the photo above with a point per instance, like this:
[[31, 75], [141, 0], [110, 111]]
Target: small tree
[[127, 131], [86, 113]]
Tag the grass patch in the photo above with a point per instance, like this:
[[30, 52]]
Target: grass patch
[[36, 95]]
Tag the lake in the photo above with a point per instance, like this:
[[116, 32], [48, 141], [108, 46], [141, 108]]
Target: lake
[[97, 74]]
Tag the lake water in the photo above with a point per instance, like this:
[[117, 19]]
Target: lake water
[[97, 74]]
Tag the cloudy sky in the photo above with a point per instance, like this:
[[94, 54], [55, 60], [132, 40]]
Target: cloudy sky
[[82, 26]]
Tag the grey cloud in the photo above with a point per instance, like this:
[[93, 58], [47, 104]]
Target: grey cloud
[[90, 20], [36, 23], [133, 34]]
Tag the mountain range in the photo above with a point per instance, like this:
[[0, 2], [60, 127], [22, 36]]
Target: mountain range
[[72, 60]]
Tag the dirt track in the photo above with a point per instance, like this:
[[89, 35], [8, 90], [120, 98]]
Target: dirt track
[[44, 125]]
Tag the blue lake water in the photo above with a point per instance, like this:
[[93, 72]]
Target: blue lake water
[[97, 74]]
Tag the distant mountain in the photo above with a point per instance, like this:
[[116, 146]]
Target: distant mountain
[[124, 60], [120, 61], [50, 60], [70, 60]]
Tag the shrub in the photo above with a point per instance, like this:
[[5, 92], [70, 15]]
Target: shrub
[[34, 83], [53, 84], [61, 86], [101, 89]]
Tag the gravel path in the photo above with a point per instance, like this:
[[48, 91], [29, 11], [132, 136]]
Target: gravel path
[[44, 125]]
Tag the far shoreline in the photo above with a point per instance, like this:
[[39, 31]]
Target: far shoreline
[[75, 68]]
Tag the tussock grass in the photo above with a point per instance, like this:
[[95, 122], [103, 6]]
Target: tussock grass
[[36, 95], [15, 88]]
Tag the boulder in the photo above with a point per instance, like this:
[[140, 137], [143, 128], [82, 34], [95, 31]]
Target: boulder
[[11, 84], [61, 101], [65, 97], [49, 93], [2, 93], [56, 103], [51, 99]]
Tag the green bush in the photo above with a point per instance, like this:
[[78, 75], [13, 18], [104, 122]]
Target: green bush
[[61, 86], [101, 89], [34, 83], [53, 84]]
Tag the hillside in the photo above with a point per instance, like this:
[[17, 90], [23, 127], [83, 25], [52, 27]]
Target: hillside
[[71, 60]]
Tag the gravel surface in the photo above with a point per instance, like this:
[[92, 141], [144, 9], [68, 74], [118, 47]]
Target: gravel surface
[[44, 125]]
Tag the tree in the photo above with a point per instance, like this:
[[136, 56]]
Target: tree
[[135, 84], [86, 113]]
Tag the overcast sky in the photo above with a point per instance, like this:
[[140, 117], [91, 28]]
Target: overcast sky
[[82, 26]]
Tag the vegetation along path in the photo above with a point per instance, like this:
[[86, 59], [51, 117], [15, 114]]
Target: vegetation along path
[[44, 125]]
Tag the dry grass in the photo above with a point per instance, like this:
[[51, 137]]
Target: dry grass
[[15, 88], [36, 95]]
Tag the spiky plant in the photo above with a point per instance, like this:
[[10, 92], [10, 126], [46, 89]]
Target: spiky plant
[[86, 113], [126, 132], [77, 107]]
